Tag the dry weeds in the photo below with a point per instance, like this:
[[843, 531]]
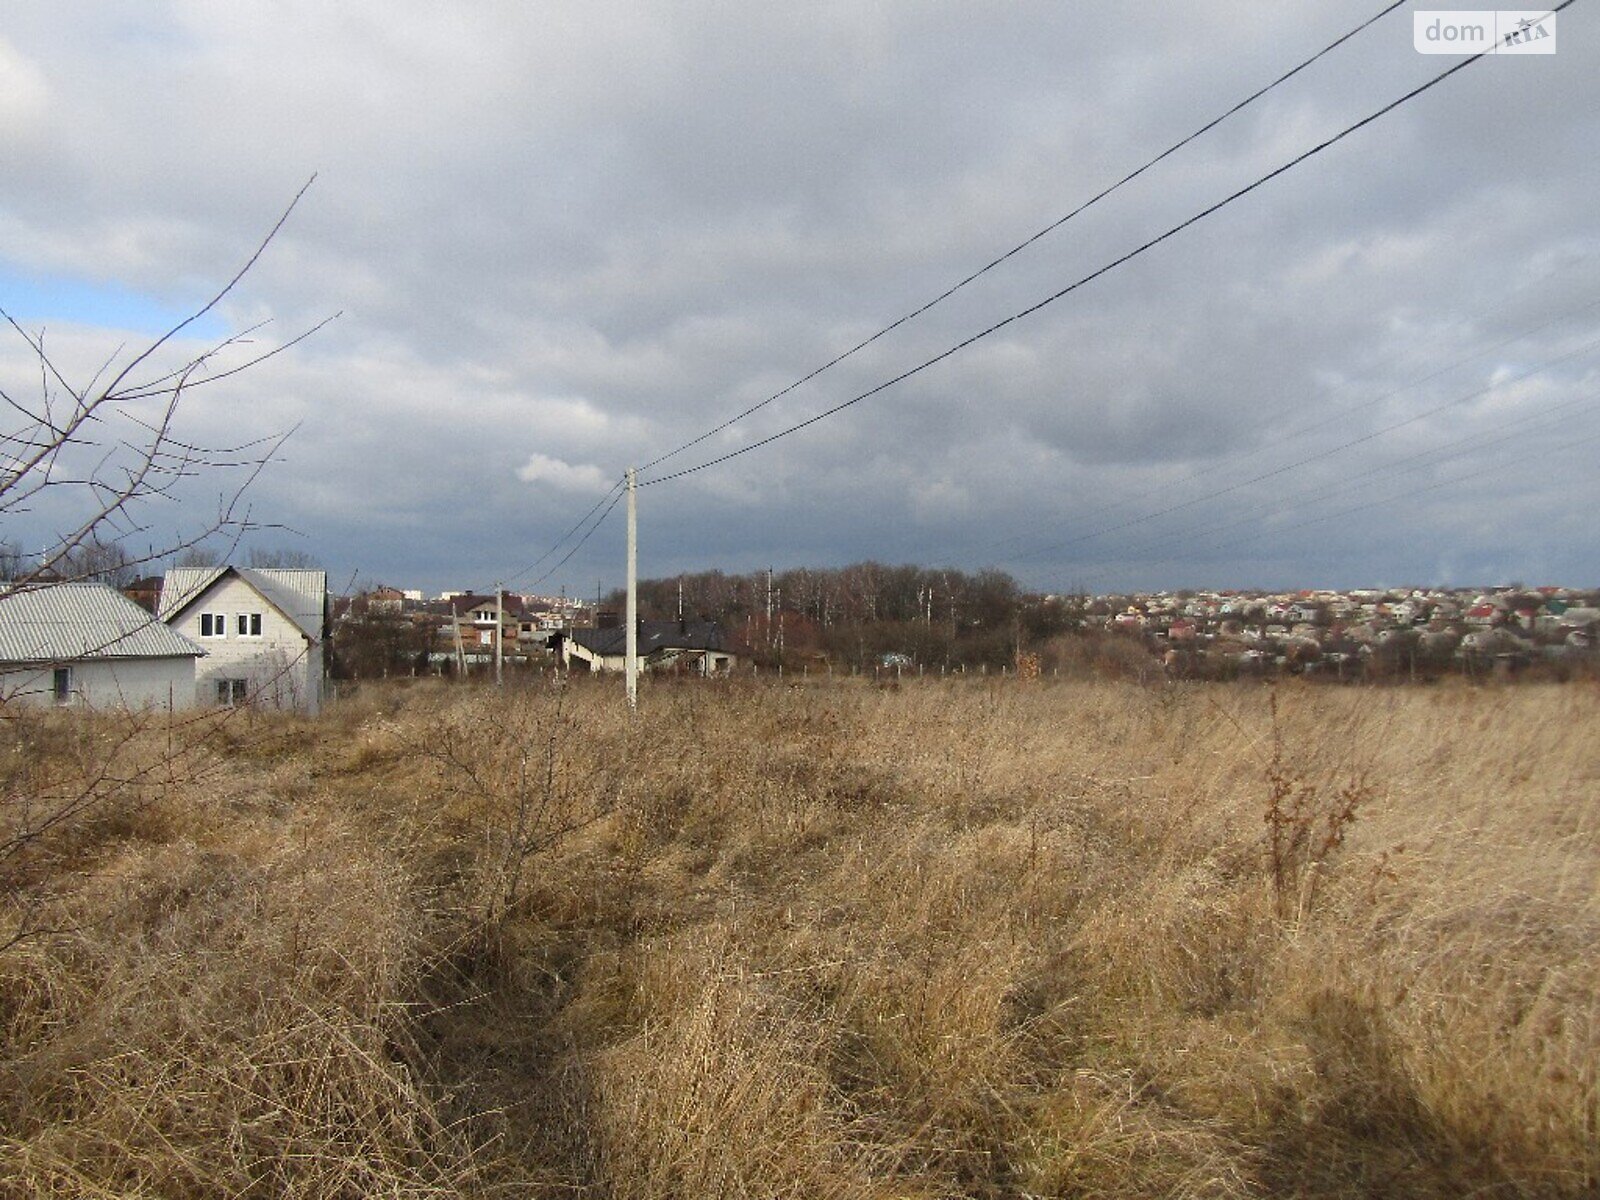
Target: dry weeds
[[950, 939]]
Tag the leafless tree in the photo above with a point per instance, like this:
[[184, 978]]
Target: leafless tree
[[103, 562], [282, 558], [197, 556], [94, 462], [99, 456]]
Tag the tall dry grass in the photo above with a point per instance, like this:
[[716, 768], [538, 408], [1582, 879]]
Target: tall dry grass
[[955, 939]]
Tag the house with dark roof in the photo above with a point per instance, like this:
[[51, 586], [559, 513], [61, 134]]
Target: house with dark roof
[[263, 631], [145, 592], [694, 647], [486, 618], [87, 645]]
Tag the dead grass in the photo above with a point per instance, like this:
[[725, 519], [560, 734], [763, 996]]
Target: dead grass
[[951, 939]]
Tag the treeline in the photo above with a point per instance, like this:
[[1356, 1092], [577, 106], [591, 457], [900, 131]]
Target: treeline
[[859, 614]]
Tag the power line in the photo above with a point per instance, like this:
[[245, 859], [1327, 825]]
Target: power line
[[1471, 444], [1587, 348], [1093, 275], [1403, 466], [615, 490], [1169, 559], [1336, 413], [1026, 242], [579, 546], [1341, 413], [1433, 487]]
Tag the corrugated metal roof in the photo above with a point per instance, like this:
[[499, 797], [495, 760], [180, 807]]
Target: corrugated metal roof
[[68, 622], [183, 584], [299, 595]]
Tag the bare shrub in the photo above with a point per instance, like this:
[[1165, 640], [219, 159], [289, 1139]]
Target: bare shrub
[[1307, 823]]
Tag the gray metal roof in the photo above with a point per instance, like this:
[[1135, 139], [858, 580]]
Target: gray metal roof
[[653, 636], [69, 622], [299, 595]]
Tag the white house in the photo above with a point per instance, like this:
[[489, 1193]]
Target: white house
[[87, 645], [695, 647], [262, 631]]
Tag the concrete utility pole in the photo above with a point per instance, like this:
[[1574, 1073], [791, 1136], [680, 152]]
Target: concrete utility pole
[[499, 634], [632, 642]]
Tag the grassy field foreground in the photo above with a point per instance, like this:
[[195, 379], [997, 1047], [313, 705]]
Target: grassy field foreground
[[950, 940]]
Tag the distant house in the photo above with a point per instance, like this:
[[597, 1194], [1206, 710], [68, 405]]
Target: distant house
[[1579, 618], [263, 632], [1497, 641], [145, 592], [1131, 621], [385, 599], [694, 646], [1306, 613], [484, 620], [88, 645]]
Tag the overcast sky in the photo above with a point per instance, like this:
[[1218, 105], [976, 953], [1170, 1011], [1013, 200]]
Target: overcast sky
[[567, 237]]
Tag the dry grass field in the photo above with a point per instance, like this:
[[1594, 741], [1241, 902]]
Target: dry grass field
[[976, 939]]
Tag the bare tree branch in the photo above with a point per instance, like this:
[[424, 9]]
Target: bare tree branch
[[64, 445]]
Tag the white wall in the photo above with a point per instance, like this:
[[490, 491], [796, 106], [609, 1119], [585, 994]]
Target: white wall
[[107, 683], [281, 669], [713, 662]]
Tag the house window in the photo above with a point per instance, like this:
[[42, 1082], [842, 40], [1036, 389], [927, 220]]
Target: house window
[[61, 685], [231, 691], [486, 637], [213, 625], [249, 625]]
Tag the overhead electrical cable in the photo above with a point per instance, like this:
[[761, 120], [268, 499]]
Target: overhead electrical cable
[[1432, 487], [1339, 413], [1554, 416], [1587, 348], [1082, 578], [1026, 242], [1557, 415], [1546, 416], [580, 542], [1336, 413], [1086, 279], [616, 489]]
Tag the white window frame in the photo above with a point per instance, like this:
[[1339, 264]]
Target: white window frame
[[251, 622], [219, 626], [61, 685], [232, 692]]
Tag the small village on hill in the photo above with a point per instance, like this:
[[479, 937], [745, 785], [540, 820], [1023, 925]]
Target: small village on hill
[[276, 638], [1342, 633]]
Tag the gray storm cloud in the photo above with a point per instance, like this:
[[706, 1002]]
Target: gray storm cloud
[[567, 239]]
